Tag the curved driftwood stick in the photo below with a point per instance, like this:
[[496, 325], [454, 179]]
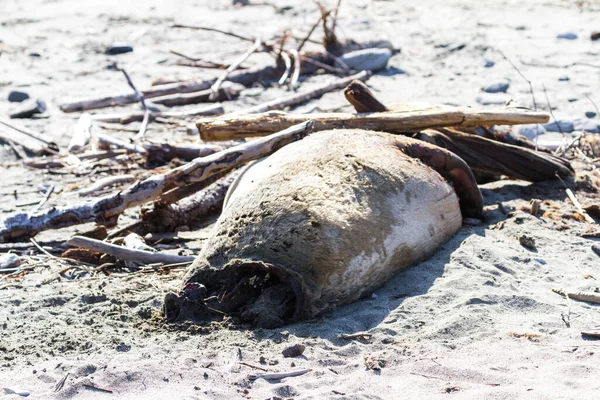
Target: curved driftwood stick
[[242, 126], [108, 207], [123, 253]]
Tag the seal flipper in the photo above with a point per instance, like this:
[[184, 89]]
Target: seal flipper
[[452, 168]]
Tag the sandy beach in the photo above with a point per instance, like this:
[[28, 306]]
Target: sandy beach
[[478, 320]]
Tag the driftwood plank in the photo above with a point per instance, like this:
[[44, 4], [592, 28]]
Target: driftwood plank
[[242, 126]]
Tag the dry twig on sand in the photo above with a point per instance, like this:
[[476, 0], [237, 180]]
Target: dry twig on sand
[[278, 375]]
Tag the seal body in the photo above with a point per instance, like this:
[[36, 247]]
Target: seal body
[[325, 221]]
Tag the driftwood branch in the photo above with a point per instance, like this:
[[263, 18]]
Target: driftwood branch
[[300, 98], [216, 86], [213, 109], [243, 126], [82, 134], [35, 143], [109, 207], [123, 253], [227, 91], [104, 182]]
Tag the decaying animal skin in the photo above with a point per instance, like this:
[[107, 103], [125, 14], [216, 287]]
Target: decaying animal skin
[[323, 222]]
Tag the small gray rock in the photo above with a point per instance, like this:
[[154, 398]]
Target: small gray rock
[[496, 87], [588, 125], [29, 108], [562, 124], [590, 114], [487, 63], [492, 98], [118, 48], [373, 59], [16, 96], [564, 78], [531, 130], [567, 35]]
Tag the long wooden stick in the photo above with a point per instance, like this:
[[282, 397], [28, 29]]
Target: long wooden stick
[[108, 207], [34, 142], [589, 297], [228, 91], [123, 253], [213, 109], [214, 89], [242, 126]]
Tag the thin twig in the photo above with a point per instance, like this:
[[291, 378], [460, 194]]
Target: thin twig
[[215, 87], [47, 195], [205, 28], [309, 34], [551, 112], [594, 104], [279, 375], [140, 96], [580, 209], [537, 133], [104, 182]]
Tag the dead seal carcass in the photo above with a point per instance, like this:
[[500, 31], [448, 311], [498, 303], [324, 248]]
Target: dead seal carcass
[[323, 222]]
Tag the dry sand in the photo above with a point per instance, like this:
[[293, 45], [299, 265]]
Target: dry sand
[[478, 320]]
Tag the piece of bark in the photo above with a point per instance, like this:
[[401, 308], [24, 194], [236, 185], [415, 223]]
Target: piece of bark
[[123, 253], [243, 126], [227, 91], [167, 217], [82, 134], [489, 156], [213, 109], [107, 208], [299, 98]]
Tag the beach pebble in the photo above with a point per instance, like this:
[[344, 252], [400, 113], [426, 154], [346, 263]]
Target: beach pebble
[[118, 48], [564, 124], [492, 98], [373, 59], [531, 130], [293, 351], [590, 114], [20, 392], [564, 78], [588, 125], [541, 261], [16, 96], [487, 63], [500, 86], [9, 261], [29, 108], [567, 35], [595, 36]]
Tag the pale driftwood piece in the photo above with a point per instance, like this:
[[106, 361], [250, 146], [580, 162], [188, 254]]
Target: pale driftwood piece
[[82, 134], [243, 126], [299, 98], [278, 375], [288, 67], [33, 142], [213, 109], [8, 261], [227, 91], [107, 208], [62, 161], [214, 89], [589, 297], [104, 182], [26, 143], [123, 253], [577, 205], [296, 74]]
